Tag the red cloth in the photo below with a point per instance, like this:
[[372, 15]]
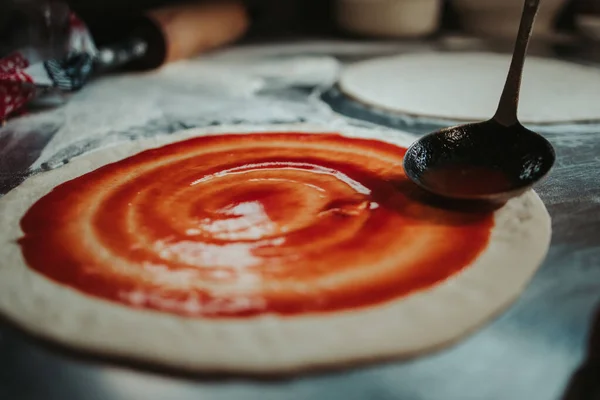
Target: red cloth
[[20, 77], [16, 86]]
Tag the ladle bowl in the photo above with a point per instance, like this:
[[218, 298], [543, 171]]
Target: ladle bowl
[[480, 161]]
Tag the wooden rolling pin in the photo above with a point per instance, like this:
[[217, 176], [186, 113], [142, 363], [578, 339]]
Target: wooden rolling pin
[[167, 34], [191, 29]]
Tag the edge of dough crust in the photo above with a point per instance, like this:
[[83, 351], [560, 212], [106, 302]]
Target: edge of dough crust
[[420, 322]]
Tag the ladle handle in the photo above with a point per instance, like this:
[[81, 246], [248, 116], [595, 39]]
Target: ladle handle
[[506, 114]]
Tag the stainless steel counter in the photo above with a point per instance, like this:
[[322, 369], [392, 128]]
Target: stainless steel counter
[[531, 352]]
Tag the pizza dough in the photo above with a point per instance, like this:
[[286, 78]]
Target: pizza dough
[[467, 86], [422, 321]]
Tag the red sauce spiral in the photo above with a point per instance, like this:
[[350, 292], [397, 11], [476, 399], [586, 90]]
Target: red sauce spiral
[[241, 225]]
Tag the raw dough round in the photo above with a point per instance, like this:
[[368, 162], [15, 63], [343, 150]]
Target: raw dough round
[[410, 325], [467, 86]]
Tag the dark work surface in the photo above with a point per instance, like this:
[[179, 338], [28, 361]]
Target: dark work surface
[[542, 348]]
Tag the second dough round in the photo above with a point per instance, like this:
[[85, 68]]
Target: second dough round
[[467, 86]]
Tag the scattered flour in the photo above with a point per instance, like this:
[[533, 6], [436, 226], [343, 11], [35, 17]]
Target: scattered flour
[[220, 89]]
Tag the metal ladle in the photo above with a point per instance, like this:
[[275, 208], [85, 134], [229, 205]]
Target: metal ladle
[[492, 160]]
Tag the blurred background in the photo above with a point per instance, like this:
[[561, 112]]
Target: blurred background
[[173, 30], [377, 19]]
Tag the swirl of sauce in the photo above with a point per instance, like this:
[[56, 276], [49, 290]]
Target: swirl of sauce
[[241, 225]]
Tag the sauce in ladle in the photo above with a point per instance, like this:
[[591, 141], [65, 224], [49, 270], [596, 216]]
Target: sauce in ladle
[[467, 179]]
